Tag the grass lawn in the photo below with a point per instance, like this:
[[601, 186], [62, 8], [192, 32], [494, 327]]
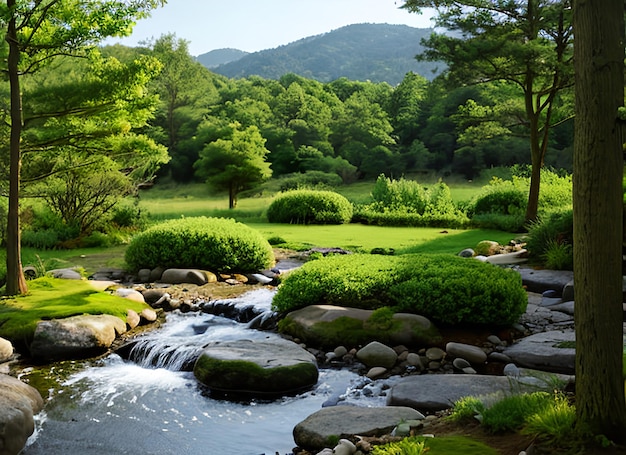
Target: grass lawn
[[50, 298]]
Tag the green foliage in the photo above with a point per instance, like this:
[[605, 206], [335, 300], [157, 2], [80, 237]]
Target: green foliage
[[310, 207], [311, 180], [445, 445], [554, 423], [511, 413], [447, 289], [50, 298], [407, 203], [467, 409], [551, 238], [206, 243]]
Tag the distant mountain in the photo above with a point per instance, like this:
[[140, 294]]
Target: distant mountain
[[374, 52], [220, 57]]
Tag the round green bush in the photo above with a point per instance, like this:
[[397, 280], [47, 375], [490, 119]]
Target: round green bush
[[446, 289], [310, 207], [216, 244]]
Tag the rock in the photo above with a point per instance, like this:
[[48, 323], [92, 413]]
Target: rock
[[414, 360], [467, 253], [345, 447], [340, 351], [19, 402], [148, 315], [259, 278], [102, 285], [268, 367], [547, 351], [568, 292], [321, 428], [143, 275], [436, 392], [154, 296], [460, 364], [376, 372], [66, 274], [130, 294], [435, 354], [328, 326], [565, 307], [76, 337], [132, 319], [472, 354], [6, 350], [543, 280], [498, 357], [494, 339], [156, 274], [487, 248], [191, 276], [376, 354]]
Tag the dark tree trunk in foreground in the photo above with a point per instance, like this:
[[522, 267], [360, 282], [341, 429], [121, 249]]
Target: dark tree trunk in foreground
[[598, 169]]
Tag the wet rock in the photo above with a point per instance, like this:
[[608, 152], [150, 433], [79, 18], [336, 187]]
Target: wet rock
[[19, 402], [143, 275], [543, 280], [320, 429], [76, 337], [376, 354], [192, 276], [269, 367], [472, 354], [376, 372], [148, 315], [132, 319], [547, 351]]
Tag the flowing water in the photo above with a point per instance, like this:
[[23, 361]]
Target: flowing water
[[148, 406]]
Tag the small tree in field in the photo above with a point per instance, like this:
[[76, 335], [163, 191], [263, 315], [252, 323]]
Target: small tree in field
[[234, 162]]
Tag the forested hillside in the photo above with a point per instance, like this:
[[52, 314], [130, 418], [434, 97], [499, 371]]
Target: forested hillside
[[219, 57], [361, 52]]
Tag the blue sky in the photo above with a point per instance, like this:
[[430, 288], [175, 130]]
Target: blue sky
[[254, 25]]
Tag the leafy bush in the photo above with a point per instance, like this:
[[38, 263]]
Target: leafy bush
[[447, 289], [407, 203], [404, 447], [510, 413], [310, 207], [217, 244], [310, 179], [551, 238]]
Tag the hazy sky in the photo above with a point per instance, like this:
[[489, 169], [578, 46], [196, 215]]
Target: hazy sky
[[254, 25]]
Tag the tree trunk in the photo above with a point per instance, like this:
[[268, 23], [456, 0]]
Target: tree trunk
[[16, 283], [598, 169]]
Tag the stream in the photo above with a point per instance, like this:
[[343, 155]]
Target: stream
[[147, 405]]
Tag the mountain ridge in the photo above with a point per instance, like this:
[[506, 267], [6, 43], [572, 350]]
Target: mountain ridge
[[374, 52]]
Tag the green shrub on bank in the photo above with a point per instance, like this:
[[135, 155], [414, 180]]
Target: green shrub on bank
[[407, 203], [446, 289], [217, 244], [550, 240], [310, 207]]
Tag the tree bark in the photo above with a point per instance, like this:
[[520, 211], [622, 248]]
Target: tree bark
[[16, 282], [598, 170]]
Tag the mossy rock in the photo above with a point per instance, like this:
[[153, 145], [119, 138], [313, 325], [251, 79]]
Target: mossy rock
[[256, 368], [328, 326]]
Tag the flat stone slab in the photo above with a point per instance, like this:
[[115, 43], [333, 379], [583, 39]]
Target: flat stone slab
[[260, 367], [544, 280], [546, 351], [436, 392], [321, 429]]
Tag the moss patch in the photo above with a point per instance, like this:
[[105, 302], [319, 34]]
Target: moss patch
[[51, 298]]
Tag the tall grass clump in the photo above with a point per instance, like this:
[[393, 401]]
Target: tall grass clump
[[217, 244], [447, 289], [407, 203], [310, 207], [550, 240]]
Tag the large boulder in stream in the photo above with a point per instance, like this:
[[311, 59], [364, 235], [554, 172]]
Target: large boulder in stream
[[77, 337], [329, 326], [18, 404], [257, 368]]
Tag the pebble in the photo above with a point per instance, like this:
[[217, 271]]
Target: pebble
[[435, 353], [460, 364]]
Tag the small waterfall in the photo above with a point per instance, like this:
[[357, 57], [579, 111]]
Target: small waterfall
[[153, 353], [180, 341]]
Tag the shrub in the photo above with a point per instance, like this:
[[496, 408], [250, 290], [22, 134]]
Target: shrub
[[310, 179], [217, 244], [310, 207], [551, 239], [447, 289], [511, 413]]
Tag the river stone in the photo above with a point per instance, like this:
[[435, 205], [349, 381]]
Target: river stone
[[376, 354], [436, 392], [542, 352], [191, 276], [132, 319], [18, 403], [6, 350], [322, 428], [76, 337], [543, 280], [328, 326], [65, 274], [473, 354], [130, 294], [267, 367], [148, 315]]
